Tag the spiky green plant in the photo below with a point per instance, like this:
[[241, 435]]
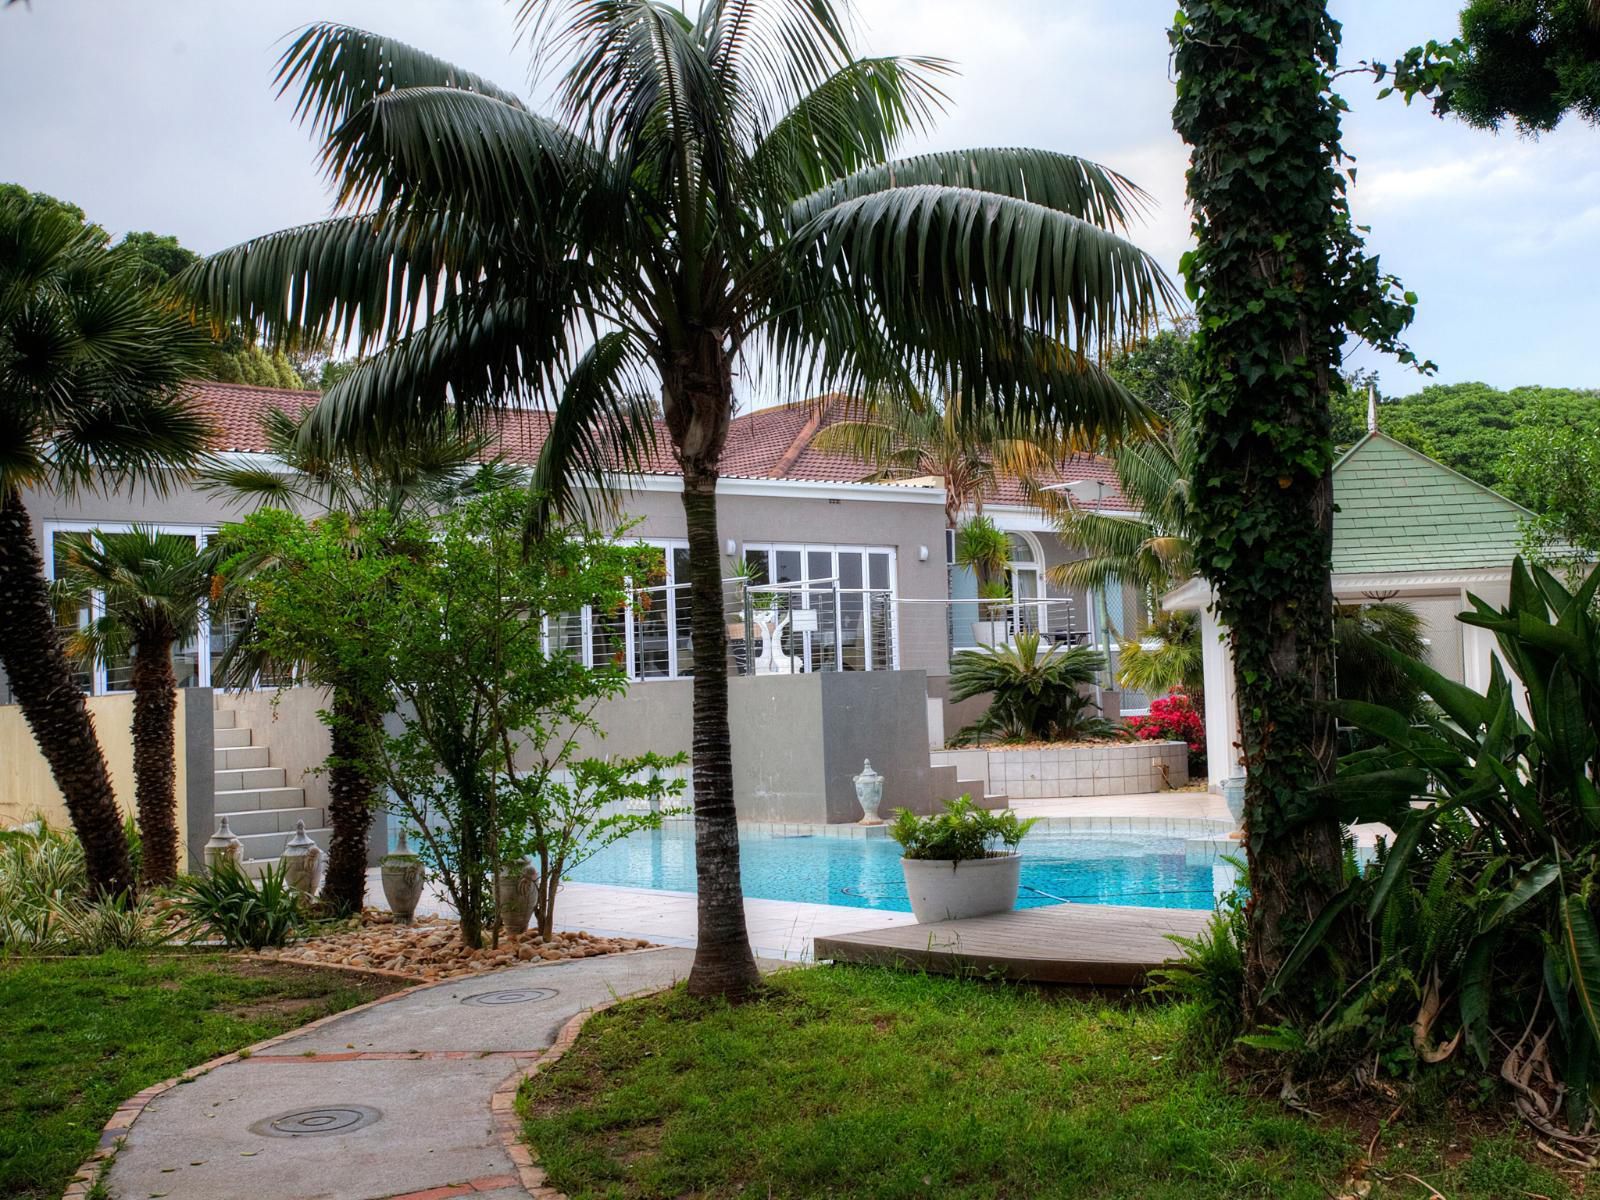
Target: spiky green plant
[[1036, 691]]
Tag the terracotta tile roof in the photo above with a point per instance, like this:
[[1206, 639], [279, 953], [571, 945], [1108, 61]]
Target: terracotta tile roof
[[765, 443]]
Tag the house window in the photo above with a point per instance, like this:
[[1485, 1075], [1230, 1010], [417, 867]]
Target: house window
[[1024, 583], [850, 591]]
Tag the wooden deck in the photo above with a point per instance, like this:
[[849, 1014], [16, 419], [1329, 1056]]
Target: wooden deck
[[1100, 944]]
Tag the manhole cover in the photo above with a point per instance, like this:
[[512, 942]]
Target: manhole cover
[[314, 1122], [509, 996]]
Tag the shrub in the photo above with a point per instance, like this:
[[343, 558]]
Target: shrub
[[1035, 692], [1209, 974], [44, 903], [1481, 911], [244, 913], [962, 831], [1174, 718]]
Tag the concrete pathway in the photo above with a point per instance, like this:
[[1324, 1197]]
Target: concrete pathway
[[391, 1101]]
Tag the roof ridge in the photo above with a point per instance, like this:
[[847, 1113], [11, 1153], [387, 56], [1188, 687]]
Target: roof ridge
[[253, 387], [802, 440], [1380, 435]]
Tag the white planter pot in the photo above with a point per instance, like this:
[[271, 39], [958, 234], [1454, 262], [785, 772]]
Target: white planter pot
[[990, 633], [944, 890]]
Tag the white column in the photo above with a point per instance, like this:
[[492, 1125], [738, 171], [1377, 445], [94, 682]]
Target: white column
[[1222, 701]]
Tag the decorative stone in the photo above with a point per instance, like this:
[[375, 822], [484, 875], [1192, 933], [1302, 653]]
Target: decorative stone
[[402, 875], [515, 890], [1233, 795], [869, 793], [224, 846], [302, 862]]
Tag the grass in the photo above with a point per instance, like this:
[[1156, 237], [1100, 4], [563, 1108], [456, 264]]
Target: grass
[[872, 1084], [80, 1035]]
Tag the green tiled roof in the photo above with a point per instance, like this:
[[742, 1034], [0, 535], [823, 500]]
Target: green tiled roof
[[1399, 510]]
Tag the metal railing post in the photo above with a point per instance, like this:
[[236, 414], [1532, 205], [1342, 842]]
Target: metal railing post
[[838, 630]]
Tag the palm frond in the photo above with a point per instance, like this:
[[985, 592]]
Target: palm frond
[[1062, 183]]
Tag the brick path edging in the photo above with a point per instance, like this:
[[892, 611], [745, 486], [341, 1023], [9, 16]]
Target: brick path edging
[[88, 1174], [503, 1103]]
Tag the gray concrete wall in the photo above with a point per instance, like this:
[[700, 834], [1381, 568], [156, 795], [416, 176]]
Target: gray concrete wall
[[882, 716], [199, 773]]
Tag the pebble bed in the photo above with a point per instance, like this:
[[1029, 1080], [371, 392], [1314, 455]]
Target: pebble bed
[[430, 948]]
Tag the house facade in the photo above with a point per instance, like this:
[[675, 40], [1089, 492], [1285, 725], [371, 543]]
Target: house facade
[[829, 577], [1405, 528]]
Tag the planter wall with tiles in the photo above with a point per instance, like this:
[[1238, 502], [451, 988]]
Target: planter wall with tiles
[[1035, 773]]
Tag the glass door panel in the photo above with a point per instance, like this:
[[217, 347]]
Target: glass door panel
[[682, 633]]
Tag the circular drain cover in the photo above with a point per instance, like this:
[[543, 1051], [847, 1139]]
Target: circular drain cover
[[315, 1122], [509, 996]]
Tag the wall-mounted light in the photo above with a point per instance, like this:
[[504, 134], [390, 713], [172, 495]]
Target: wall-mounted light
[[732, 546], [922, 554]]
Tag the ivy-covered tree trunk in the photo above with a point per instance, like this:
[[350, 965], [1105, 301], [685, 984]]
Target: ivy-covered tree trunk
[[155, 768], [1273, 247], [53, 705], [699, 405]]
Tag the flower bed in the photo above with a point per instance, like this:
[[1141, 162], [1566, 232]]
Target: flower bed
[[430, 948]]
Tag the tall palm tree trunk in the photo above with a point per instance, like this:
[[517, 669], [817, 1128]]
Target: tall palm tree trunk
[[155, 700], [352, 794], [723, 962], [36, 664]]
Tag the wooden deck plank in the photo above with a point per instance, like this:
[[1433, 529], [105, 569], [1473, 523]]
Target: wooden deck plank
[[1104, 945]]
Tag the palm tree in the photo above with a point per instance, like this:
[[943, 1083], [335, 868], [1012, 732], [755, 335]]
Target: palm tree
[[911, 435], [152, 588], [431, 470], [92, 364], [711, 191]]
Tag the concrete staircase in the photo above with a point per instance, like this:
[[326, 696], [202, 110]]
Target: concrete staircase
[[963, 773], [260, 807]]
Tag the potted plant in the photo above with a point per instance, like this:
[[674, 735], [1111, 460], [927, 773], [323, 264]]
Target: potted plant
[[983, 548], [962, 862]]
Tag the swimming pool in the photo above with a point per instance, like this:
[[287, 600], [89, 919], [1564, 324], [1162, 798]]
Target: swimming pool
[[1151, 870]]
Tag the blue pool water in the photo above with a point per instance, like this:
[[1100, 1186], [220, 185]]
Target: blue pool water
[[1057, 865]]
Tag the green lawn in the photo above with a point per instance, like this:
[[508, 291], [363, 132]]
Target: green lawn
[[849, 1082], [80, 1035]]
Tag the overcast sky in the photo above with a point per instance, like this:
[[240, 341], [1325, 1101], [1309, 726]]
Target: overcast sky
[[160, 115]]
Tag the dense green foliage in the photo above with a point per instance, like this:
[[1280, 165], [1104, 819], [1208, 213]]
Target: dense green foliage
[[1470, 427], [1366, 639], [78, 1036], [1160, 369], [1554, 467], [244, 913], [1280, 279], [1036, 691], [1482, 910], [960, 832], [1526, 61], [442, 617], [881, 1085]]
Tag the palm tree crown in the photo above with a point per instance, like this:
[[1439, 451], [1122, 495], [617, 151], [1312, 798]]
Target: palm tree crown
[[712, 193], [912, 435]]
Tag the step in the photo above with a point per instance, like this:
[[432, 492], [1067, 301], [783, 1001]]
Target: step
[[249, 779], [234, 758], [224, 718], [270, 845], [273, 820], [227, 803], [225, 738]]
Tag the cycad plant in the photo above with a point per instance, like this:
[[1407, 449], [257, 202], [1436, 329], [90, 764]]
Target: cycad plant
[[434, 468], [1036, 691], [914, 434], [713, 189], [92, 364], [152, 589]]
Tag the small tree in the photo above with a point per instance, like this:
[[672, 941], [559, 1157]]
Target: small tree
[[152, 588]]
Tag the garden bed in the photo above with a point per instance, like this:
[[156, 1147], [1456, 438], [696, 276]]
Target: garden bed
[[876, 1084], [430, 948], [79, 1035]]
